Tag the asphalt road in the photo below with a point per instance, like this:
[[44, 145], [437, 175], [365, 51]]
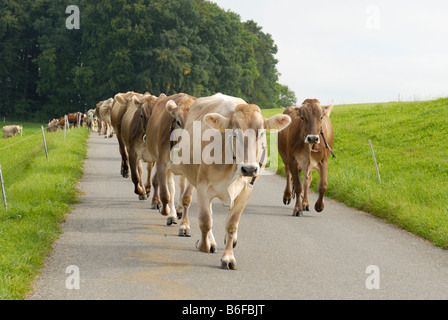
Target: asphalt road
[[124, 250]]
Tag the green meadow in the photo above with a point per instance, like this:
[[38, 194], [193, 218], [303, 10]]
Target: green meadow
[[39, 194], [410, 144]]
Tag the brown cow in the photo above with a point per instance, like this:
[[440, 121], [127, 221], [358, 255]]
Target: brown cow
[[130, 133], [118, 110], [159, 124], [305, 146]]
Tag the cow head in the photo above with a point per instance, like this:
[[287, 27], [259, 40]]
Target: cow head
[[247, 122], [179, 111], [311, 114]]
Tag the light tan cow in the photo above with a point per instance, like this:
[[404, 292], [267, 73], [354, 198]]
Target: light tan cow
[[159, 124], [91, 120], [105, 116], [11, 131], [305, 146], [53, 125], [231, 182]]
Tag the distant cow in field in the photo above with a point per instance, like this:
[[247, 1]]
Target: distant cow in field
[[11, 131], [53, 125], [76, 119], [305, 146], [230, 181]]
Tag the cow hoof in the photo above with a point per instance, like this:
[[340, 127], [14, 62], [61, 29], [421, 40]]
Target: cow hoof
[[155, 206], [179, 214], [297, 214], [286, 201], [228, 265], [142, 197], [213, 249], [306, 208], [170, 221], [184, 233]]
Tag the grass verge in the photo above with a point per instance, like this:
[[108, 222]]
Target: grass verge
[[409, 140], [39, 195]]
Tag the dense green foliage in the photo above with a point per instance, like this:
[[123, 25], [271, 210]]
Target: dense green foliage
[[409, 141], [160, 46]]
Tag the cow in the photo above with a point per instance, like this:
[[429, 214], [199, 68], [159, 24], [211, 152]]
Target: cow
[[97, 115], [76, 119], [104, 112], [305, 146], [91, 119], [118, 110], [53, 125], [159, 124], [126, 119], [11, 131], [227, 119]]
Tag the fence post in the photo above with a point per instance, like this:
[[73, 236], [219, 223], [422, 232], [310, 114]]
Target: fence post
[[374, 159], [45, 142], [3, 189]]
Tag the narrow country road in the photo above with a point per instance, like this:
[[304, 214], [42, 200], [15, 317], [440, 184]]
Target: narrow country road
[[124, 250]]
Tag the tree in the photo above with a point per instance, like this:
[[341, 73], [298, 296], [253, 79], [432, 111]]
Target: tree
[[160, 46]]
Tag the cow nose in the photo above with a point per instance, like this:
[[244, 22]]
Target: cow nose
[[312, 139], [249, 170]]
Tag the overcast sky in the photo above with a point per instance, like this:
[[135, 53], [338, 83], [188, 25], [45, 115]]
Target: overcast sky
[[356, 51]]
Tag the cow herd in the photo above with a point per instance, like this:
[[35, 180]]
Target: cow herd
[[217, 146], [76, 119]]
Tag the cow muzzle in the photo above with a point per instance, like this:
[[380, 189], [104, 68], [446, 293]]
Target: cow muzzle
[[312, 139], [249, 170]]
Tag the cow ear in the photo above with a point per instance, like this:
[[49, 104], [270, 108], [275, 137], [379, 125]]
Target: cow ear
[[327, 110], [171, 107], [137, 102], [278, 122], [119, 98], [217, 121]]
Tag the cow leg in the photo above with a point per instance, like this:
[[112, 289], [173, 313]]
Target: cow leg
[[149, 167], [322, 188], [184, 230], [306, 188], [306, 184], [166, 188], [140, 179], [207, 243], [287, 194], [135, 165], [124, 159], [182, 186], [228, 259], [298, 209], [172, 217], [156, 204]]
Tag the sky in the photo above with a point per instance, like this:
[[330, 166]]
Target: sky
[[356, 51]]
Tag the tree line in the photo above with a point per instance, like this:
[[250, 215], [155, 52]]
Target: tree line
[[160, 46]]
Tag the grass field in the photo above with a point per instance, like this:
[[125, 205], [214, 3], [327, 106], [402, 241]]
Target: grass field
[[39, 195], [410, 143]]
